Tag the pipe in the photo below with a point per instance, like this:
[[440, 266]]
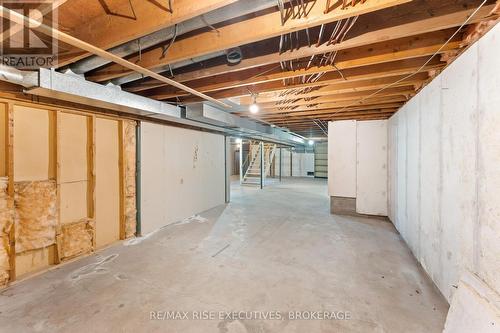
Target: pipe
[[65, 38], [261, 165], [26, 79], [133, 77], [138, 232], [237, 9]]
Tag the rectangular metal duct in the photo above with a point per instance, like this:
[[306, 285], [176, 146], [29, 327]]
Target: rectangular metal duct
[[74, 88], [211, 115]]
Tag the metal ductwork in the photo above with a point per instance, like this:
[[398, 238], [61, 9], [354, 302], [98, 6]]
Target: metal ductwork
[[23, 78], [74, 88], [234, 56], [240, 126], [210, 19], [136, 76]]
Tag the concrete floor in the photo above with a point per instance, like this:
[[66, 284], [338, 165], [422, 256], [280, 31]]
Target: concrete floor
[[271, 251]]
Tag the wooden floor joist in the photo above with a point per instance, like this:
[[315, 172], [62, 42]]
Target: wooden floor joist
[[414, 22], [248, 31]]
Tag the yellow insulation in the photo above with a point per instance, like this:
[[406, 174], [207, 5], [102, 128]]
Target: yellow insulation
[[129, 175], [5, 226], [35, 214], [76, 238]]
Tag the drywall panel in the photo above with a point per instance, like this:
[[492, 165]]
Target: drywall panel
[[34, 148], [182, 174], [107, 182], [302, 164], [3, 130], [371, 187], [342, 158], [34, 260], [285, 162], [153, 177], [72, 201], [488, 160], [72, 139], [430, 179]]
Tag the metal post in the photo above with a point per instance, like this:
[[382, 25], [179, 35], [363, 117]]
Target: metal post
[[227, 168], [138, 232], [241, 162], [280, 162], [291, 163], [261, 164]]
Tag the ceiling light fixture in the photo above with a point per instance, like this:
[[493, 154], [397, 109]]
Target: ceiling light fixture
[[254, 108], [311, 142]]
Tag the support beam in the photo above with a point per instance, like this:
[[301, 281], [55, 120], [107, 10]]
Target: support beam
[[409, 20], [63, 37], [347, 60], [107, 31], [241, 33], [341, 87]]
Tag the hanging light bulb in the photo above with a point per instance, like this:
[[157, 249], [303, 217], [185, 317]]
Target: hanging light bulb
[[311, 142], [254, 108]]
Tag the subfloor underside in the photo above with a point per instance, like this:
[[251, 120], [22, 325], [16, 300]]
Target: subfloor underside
[[269, 254]]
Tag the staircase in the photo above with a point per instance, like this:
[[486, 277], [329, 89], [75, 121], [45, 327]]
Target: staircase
[[252, 174]]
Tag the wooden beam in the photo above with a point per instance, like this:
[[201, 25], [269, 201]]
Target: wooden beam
[[107, 31], [44, 9], [248, 31], [61, 36], [326, 111], [290, 121], [340, 105], [369, 55], [408, 20], [404, 91], [341, 87]]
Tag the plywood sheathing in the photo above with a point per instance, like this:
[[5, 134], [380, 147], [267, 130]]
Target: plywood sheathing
[[129, 161], [35, 214], [5, 227], [76, 239]]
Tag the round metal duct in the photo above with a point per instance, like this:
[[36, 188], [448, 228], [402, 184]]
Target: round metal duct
[[234, 55]]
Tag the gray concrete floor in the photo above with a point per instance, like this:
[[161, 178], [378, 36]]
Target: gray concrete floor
[[269, 252]]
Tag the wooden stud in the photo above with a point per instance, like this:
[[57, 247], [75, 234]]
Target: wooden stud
[[10, 188]]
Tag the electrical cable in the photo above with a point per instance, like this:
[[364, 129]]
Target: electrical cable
[[421, 67]]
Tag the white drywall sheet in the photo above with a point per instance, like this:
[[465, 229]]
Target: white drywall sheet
[[342, 158], [182, 174], [454, 164], [371, 178]]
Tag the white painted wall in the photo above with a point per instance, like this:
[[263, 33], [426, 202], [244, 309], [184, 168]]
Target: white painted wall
[[445, 170], [357, 163], [342, 158], [302, 163], [182, 174], [371, 172]]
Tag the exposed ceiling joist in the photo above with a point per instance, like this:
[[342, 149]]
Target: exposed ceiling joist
[[409, 20], [106, 31], [240, 33]]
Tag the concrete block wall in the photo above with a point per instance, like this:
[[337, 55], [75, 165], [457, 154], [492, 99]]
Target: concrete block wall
[[444, 167]]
